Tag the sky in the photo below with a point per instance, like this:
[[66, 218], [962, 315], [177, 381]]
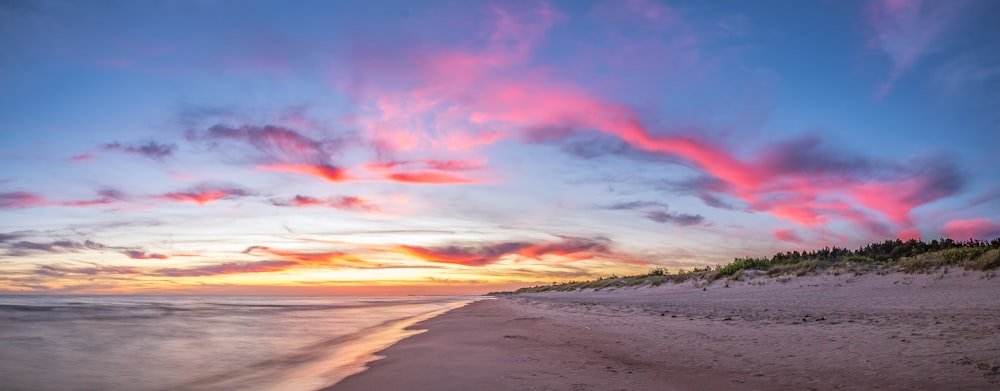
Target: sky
[[453, 147]]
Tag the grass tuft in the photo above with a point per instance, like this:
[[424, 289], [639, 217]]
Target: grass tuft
[[911, 256]]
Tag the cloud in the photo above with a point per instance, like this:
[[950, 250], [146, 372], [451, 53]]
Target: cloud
[[339, 202], [59, 271], [487, 254], [434, 164], [205, 194], [481, 96], [23, 248], [10, 237], [278, 148], [428, 177], [971, 229], [428, 171], [226, 268], [659, 216], [908, 30], [105, 197], [787, 235], [150, 149], [476, 97], [21, 199], [715, 202], [629, 205], [464, 255], [325, 172], [328, 259], [140, 254], [681, 219]]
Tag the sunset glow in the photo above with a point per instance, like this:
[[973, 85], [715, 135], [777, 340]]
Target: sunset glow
[[464, 147]]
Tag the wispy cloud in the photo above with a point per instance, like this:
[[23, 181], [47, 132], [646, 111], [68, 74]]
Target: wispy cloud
[[629, 205], [24, 247], [21, 199], [150, 149], [681, 219], [322, 171], [428, 177], [490, 253], [657, 211], [226, 268], [60, 271], [339, 202], [787, 235], [105, 197], [142, 254], [428, 171], [206, 194], [908, 30]]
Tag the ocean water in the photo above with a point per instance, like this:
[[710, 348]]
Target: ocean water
[[194, 343]]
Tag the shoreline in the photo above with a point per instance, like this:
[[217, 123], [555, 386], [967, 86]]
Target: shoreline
[[897, 331]]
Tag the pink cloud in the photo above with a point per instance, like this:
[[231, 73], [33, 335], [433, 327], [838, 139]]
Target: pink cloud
[[787, 235], [106, 197], [341, 202], [908, 234], [21, 199], [204, 195], [971, 229], [454, 98]]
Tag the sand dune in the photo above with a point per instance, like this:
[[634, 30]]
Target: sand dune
[[845, 332]]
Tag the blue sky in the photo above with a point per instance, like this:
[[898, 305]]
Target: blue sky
[[435, 147]]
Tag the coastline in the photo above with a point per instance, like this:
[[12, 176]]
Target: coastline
[[897, 331]]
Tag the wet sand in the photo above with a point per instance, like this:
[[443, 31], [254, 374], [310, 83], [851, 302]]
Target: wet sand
[[831, 332]]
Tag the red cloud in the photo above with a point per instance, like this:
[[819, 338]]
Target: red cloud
[[442, 165], [289, 260], [430, 177], [425, 171], [330, 258], [205, 195], [329, 173], [971, 229]]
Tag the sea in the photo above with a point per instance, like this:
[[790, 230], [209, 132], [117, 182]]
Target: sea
[[194, 343]]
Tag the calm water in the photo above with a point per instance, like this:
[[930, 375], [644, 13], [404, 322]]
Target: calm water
[[199, 343]]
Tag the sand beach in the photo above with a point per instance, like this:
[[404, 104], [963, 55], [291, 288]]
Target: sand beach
[[830, 332]]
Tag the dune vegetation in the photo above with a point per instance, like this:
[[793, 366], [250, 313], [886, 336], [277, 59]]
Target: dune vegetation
[[911, 256]]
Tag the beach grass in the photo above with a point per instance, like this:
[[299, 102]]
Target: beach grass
[[911, 256]]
